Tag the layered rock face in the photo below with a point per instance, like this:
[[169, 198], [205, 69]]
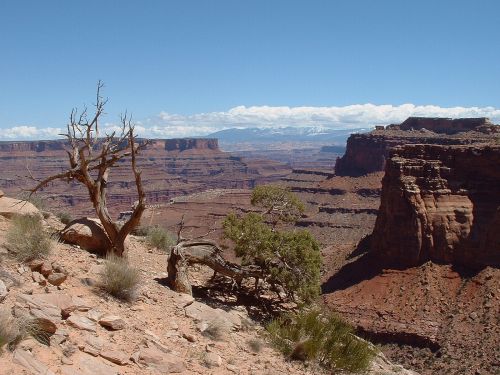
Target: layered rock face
[[183, 144], [367, 153], [440, 203], [170, 168]]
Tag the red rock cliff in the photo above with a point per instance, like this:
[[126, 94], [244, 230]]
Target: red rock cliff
[[440, 203], [366, 153]]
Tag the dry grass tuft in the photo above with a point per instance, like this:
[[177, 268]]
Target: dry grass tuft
[[159, 238], [120, 279], [27, 238]]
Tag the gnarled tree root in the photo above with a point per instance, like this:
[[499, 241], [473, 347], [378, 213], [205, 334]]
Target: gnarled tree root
[[207, 253]]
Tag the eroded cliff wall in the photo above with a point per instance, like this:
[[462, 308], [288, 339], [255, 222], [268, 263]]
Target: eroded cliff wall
[[440, 203], [367, 152]]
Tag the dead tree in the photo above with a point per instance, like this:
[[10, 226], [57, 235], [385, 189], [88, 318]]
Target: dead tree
[[201, 251], [90, 159]]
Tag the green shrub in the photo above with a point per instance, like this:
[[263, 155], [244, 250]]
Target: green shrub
[[290, 259], [120, 279], [64, 217], [159, 238], [280, 203], [318, 335], [35, 200], [27, 238]]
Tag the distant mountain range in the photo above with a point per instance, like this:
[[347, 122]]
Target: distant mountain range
[[285, 134]]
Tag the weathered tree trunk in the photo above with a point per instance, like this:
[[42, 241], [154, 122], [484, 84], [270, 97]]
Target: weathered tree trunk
[[207, 253]]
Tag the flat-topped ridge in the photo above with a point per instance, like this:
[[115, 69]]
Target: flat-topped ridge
[[442, 124]]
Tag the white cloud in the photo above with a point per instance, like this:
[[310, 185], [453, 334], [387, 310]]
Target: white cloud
[[167, 125]]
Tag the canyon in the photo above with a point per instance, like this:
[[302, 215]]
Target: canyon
[[406, 219], [172, 167]]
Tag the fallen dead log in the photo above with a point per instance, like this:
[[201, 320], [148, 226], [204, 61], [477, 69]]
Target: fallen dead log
[[204, 252]]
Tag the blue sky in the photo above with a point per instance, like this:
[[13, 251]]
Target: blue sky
[[190, 67]]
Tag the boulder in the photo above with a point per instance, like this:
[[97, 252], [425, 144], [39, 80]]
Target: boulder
[[81, 322], [87, 233], [57, 278], [10, 207], [112, 322], [158, 360], [47, 314], [85, 364]]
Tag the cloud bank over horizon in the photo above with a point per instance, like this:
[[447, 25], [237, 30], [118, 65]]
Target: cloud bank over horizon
[[166, 125]]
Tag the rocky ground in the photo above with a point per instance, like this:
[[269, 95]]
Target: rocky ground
[[160, 332]]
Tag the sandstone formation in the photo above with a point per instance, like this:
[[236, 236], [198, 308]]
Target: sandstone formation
[[170, 168], [11, 206], [440, 203], [367, 152], [87, 233]]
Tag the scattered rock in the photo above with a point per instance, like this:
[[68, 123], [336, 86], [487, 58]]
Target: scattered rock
[[112, 322], [57, 278], [81, 322], [158, 360], [212, 360], [46, 268], [115, 356], [85, 364], [47, 314], [189, 337], [38, 278], [26, 359], [94, 315], [36, 265]]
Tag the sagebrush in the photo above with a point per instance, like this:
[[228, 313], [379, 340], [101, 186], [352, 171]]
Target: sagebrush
[[64, 217], [318, 335], [27, 239], [119, 278], [159, 238]]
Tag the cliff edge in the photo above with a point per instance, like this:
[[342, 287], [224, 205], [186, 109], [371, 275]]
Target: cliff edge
[[440, 203]]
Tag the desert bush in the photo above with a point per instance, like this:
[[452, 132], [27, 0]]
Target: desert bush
[[27, 238], [216, 329], [141, 231], [290, 259], [119, 278], [159, 238], [64, 217], [322, 336], [255, 345]]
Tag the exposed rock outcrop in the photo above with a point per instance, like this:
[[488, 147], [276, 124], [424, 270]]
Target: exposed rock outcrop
[[87, 233], [11, 206], [440, 203], [367, 152]]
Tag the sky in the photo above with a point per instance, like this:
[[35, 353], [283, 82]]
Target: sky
[[193, 67]]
